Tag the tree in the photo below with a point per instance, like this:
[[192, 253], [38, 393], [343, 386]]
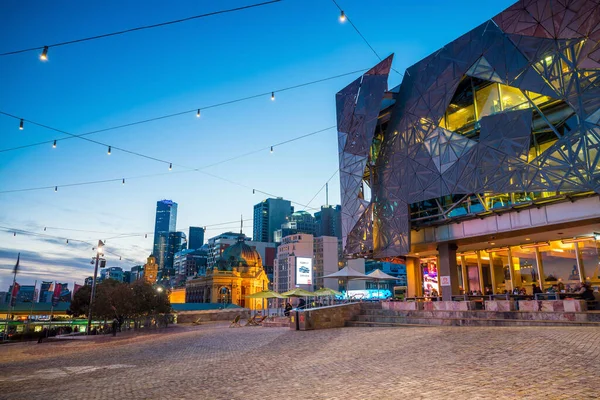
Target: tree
[[81, 302]]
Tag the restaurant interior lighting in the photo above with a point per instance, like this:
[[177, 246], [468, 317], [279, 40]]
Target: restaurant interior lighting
[[578, 239], [534, 245]]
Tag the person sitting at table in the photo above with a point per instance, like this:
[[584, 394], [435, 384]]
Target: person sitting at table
[[586, 292], [488, 291], [434, 294], [560, 287], [535, 289], [287, 309], [516, 290], [301, 304], [552, 289]]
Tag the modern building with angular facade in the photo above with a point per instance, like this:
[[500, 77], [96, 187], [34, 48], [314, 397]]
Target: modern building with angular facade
[[483, 165]]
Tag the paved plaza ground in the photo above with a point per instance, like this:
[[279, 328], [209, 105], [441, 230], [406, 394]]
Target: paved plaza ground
[[215, 362]]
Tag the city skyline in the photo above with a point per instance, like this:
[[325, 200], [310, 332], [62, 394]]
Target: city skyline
[[112, 93]]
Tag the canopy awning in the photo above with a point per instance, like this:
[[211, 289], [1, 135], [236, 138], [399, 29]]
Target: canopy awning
[[297, 292], [379, 275], [347, 273], [266, 294]]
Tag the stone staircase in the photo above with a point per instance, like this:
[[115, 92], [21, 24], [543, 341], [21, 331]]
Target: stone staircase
[[372, 315]]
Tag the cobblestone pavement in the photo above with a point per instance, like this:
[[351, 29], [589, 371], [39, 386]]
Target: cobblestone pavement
[[215, 362]]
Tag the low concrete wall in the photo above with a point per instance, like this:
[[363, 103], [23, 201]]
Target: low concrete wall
[[211, 315], [553, 305], [500, 305], [327, 317]]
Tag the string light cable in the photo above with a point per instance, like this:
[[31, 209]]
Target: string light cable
[[344, 17], [139, 28], [199, 169], [66, 240], [166, 116]]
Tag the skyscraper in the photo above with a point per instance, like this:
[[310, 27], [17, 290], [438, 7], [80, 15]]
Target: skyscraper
[[329, 221], [166, 219], [269, 215], [195, 237]]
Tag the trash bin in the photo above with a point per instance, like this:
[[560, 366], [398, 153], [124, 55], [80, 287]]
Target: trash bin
[[294, 325], [304, 321]]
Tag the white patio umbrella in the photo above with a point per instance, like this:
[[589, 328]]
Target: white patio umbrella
[[346, 274], [378, 275]]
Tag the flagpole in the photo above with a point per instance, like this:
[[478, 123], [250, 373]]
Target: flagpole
[[32, 300], [11, 298]]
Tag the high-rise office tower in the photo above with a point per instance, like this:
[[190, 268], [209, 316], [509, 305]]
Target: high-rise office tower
[[166, 219], [329, 221], [269, 215], [195, 238]]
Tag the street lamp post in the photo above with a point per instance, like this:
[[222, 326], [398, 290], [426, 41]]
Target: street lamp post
[[98, 252]]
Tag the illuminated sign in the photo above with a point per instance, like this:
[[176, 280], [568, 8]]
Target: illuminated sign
[[303, 271]]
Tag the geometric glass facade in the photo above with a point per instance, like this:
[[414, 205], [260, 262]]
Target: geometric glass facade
[[506, 116]]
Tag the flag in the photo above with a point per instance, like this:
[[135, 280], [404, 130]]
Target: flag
[[17, 264], [14, 294], [56, 294], [76, 287]]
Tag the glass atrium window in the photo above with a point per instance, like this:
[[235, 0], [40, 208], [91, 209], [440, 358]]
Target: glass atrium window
[[525, 267], [560, 263], [590, 256]]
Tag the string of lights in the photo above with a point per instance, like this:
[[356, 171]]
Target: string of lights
[[44, 54], [323, 187], [123, 180], [14, 231], [195, 111], [344, 18]]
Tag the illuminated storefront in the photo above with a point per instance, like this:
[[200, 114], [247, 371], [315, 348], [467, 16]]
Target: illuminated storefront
[[486, 157]]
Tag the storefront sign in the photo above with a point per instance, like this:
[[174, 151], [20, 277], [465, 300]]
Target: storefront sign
[[445, 280]]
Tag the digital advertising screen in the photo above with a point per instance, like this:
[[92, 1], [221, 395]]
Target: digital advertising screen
[[303, 271]]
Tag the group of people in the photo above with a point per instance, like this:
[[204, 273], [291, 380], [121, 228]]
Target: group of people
[[288, 306]]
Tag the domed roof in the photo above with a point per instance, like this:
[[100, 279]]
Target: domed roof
[[240, 253]]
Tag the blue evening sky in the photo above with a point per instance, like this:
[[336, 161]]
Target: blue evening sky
[[117, 80]]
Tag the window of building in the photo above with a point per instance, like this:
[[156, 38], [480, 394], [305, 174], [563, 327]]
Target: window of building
[[590, 257], [524, 267], [560, 263]]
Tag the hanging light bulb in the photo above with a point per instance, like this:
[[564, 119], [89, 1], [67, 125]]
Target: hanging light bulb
[[170, 166], [119, 258], [123, 181], [67, 241], [14, 233], [271, 149], [342, 16], [44, 55], [253, 191], [109, 150], [54, 145], [44, 229], [198, 114], [21, 124], [56, 188], [146, 236], [272, 95]]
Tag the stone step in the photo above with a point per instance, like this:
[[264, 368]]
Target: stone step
[[400, 321], [385, 324], [593, 316]]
